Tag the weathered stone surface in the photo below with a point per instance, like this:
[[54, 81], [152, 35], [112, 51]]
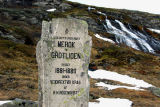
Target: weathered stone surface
[[20, 103], [63, 57]]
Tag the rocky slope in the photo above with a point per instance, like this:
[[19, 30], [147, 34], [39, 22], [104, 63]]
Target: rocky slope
[[20, 29]]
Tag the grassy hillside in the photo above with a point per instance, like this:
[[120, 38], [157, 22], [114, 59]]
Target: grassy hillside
[[18, 66], [18, 71]]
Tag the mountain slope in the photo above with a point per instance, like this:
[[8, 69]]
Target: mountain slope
[[20, 31]]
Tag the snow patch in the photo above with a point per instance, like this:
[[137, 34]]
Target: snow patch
[[111, 102], [112, 87], [3, 102], [103, 74], [91, 8], [105, 39], [51, 10], [155, 30]]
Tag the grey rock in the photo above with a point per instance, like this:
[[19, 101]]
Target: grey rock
[[132, 60], [33, 21], [20, 103], [92, 24], [155, 91], [65, 6], [12, 38], [1, 33], [22, 18], [9, 36], [57, 2], [40, 4], [6, 14]]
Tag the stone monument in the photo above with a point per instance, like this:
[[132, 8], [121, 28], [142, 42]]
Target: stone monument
[[63, 55]]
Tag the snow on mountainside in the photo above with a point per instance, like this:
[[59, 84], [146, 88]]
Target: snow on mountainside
[[136, 84], [155, 30], [103, 74], [111, 102], [105, 39]]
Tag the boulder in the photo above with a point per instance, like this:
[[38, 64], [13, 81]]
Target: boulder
[[65, 6], [155, 91], [20, 103], [132, 60], [6, 14], [22, 18], [33, 21], [9, 36]]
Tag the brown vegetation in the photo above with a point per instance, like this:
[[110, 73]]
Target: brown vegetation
[[18, 71]]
